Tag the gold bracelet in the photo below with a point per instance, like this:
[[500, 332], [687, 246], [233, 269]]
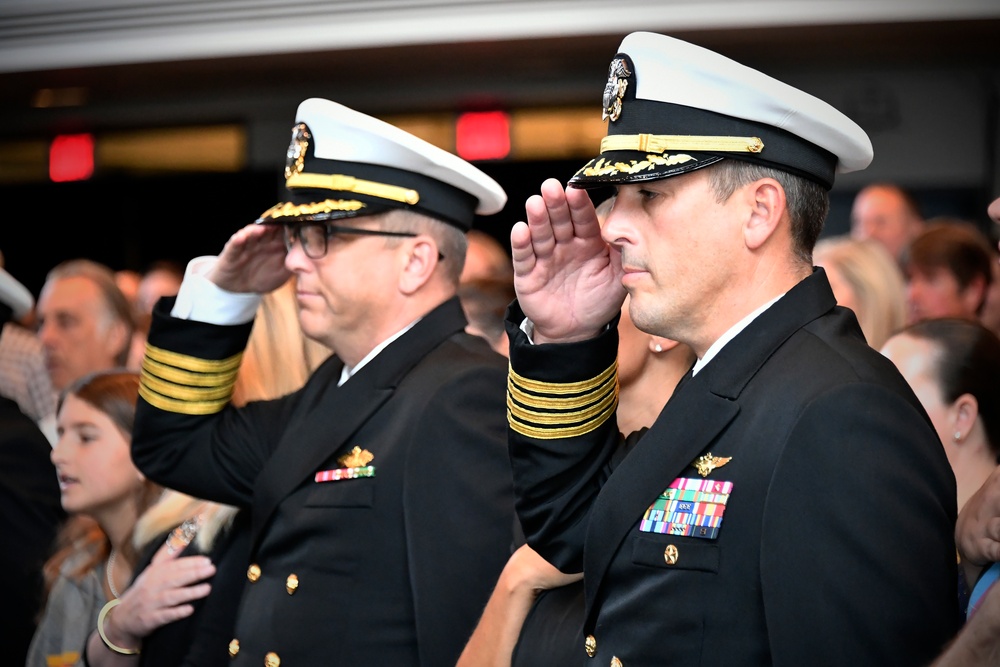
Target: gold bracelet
[[100, 629]]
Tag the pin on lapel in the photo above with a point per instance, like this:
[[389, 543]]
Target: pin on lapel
[[356, 458], [707, 463], [355, 464]]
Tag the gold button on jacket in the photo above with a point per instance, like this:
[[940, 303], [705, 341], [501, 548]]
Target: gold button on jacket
[[590, 645], [292, 584], [234, 648], [253, 572], [670, 554], [272, 660]]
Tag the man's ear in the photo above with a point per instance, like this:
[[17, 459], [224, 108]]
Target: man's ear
[[117, 339], [973, 296], [767, 203], [420, 258]]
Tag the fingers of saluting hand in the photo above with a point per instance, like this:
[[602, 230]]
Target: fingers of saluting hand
[[540, 240], [581, 208], [560, 215], [556, 217], [259, 234], [253, 240], [253, 260], [521, 251], [557, 211], [534, 240]]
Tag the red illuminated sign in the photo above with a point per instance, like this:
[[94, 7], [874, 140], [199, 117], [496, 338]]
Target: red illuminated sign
[[71, 158], [483, 135]]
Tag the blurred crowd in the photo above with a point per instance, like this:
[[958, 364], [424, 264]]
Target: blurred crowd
[[83, 364]]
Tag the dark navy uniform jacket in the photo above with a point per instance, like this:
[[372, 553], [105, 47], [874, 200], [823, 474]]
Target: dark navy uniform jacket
[[825, 537], [389, 569]]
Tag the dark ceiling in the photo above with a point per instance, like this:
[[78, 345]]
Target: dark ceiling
[[520, 73], [264, 90]]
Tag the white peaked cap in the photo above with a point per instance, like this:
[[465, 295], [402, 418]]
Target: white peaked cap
[[674, 107], [343, 163]]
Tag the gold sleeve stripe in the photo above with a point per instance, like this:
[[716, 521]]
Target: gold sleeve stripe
[[564, 432], [551, 410], [171, 374], [187, 393], [195, 364], [526, 414], [187, 385], [552, 403], [662, 143], [181, 407], [559, 388]]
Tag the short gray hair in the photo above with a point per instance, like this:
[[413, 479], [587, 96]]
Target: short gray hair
[[116, 304], [808, 202], [451, 241]]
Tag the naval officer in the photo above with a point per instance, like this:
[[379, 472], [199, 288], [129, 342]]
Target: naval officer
[[380, 493], [791, 505]]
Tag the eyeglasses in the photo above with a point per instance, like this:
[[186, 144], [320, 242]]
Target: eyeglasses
[[313, 236]]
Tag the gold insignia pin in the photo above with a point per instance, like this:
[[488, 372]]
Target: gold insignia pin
[[357, 458], [614, 89], [708, 463]]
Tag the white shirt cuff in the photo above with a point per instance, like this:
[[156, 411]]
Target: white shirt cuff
[[201, 300], [528, 327]]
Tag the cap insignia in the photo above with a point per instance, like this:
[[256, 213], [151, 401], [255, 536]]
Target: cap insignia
[[614, 89], [356, 458], [297, 150], [708, 463]]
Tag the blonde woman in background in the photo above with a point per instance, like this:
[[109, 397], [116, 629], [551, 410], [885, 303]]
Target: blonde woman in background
[[865, 278], [168, 612], [278, 359]]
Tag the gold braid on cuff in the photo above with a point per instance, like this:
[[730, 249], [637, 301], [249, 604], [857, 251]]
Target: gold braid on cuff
[[100, 629]]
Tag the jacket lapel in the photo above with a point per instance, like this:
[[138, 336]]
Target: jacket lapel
[[311, 440], [690, 421], [700, 408]]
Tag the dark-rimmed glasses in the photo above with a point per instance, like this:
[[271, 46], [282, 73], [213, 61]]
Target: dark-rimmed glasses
[[313, 236]]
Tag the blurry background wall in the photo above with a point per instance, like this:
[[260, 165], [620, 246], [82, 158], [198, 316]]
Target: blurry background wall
[[189, 105]]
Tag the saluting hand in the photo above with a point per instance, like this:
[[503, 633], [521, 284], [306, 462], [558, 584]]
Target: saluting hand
[[253, 260], [567, 279]]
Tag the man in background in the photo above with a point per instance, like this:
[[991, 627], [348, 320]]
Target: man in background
[[85, 322], [23, 376], [888, 214]]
